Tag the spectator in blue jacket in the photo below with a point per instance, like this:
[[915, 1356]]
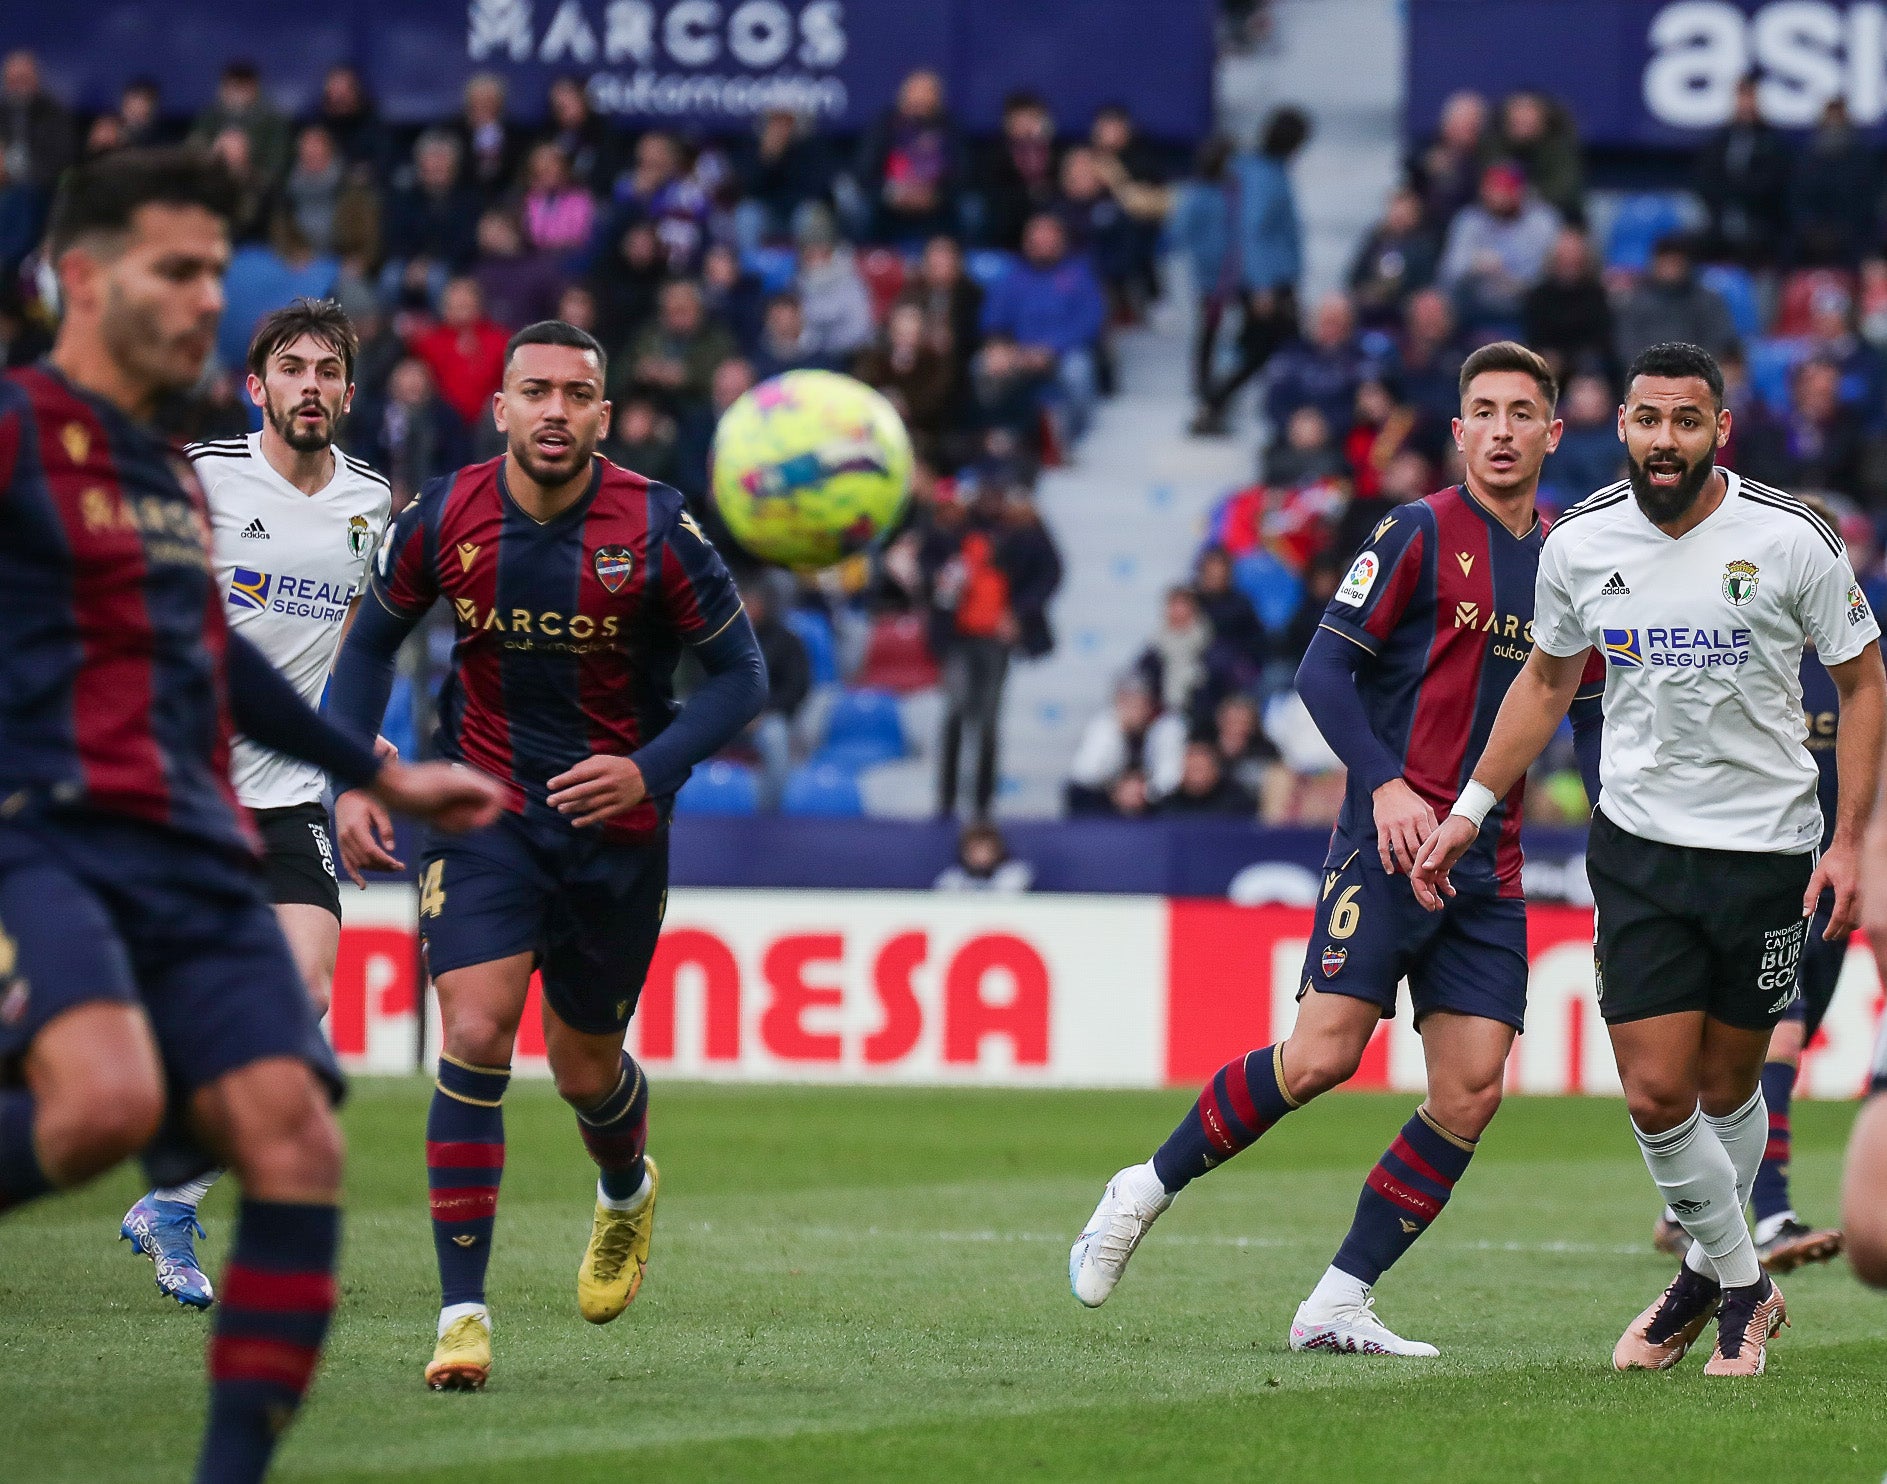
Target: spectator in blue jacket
[[1051, 306], [432, 222], [1323, 370], [1269, 243], [1200, 230]]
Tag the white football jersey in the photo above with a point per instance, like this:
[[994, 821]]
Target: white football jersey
[[1702, 640], [289, 564]]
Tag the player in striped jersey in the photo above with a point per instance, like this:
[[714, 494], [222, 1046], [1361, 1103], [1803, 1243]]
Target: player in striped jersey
[[294, 520]]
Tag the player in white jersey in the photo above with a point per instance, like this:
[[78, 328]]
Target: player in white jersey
[[1699, 588], [295, 522]]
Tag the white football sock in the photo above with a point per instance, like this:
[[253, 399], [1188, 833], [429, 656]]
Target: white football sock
[[629, 1203], [451, 1314], [190, 1193], [1146, 1187], [1336, 1290], [1695, 1175], [1744, 1135]]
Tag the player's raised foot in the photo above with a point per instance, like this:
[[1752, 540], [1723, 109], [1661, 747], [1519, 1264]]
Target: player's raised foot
[[167, 1232], [461, 1361], [1793, 1245], [1351, 1329], [618, 1255], [1667, 1236], [1131, 1203], [1661, 1336], [1749, 1319]]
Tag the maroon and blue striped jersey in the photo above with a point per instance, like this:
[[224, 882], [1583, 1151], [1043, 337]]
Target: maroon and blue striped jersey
[[1441, 597], [113, 695], [568, 630]]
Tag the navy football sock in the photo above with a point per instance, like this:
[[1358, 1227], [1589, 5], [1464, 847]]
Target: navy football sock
[[1402, 1196], [616, 1131], [1243, 1099], [465, 1159], [21, 1178], [1769, 1196], [273, 1305]]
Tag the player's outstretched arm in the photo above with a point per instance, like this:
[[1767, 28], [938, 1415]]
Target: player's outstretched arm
[[1863, 688], [603, 786], [1534, 706]]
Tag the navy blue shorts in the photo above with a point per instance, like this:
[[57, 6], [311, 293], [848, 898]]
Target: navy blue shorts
[[588, 909], [1820, 972], [99, 909], [1371, 933]]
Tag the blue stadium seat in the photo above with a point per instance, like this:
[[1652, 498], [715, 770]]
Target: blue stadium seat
[[862, 730], [719, 788], [775, 266], [1640, 222], [986, 265], [822, 648], [1771, 364], [1274, 589], [1739, 292], [824, 789]]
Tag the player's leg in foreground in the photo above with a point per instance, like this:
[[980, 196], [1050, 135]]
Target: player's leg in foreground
[[1693, 1090], [163, 1225], [1241, 1103], [1466, 1057], [1784, 1241]]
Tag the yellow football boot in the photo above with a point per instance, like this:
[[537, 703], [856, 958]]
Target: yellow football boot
[[618, 1255], [462, 1359]]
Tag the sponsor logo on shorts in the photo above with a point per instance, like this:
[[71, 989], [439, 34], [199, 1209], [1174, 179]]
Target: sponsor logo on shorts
[[1782, 957], [1360, 579], [1676, 647], [1333, 961], [320, 834], [1739, 582]]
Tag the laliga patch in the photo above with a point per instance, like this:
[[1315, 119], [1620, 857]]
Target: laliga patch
[[1333, 961], [1857, 606], [613, 566], [1361, 578]]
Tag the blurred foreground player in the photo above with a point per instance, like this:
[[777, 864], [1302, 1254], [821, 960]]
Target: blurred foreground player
[[148, 1001], [574, 587], [1404, 678], [1702, 588], [294, 521], [1864, 1182], [1784, 1242]]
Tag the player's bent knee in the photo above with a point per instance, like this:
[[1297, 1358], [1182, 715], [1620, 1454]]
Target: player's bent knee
[[1318, 1067], [480, 1039], [1465, 1112], [1659, 1110]]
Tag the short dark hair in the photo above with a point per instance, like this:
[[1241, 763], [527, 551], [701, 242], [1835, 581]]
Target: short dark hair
[[1511, 355], [557, 332], [322, 318], [1284, 133], [1677, 359], [102, 195]]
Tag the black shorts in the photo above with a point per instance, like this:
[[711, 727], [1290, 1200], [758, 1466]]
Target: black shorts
[[1683, 928], [1821, 972], [298, 857]]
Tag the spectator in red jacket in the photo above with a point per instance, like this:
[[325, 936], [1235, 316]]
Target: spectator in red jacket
[[465, 351]]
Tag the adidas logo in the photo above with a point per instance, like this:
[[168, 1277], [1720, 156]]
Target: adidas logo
[[1616, 588], [255, 531]]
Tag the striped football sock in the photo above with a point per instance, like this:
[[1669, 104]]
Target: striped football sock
[[465, 1159], [616, 1131], [274, 1301], [1402, 1196], [1243, 1099], [1769, 1194]]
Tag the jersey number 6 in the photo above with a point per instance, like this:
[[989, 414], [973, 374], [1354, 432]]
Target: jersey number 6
[[1345, 913]]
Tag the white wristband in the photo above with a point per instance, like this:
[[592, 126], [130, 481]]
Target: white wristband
[[1476, 799]]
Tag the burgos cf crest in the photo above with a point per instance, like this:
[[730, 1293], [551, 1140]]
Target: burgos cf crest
[[359, 536], [1739, 582], [613, 566]]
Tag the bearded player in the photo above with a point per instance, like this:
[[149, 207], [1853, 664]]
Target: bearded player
[[1404, 678], [574, 586], [294, 520], [148, 1001]]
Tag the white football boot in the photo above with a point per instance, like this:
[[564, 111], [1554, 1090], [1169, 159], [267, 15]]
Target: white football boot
[[1350, 1329], [1131, 1203]]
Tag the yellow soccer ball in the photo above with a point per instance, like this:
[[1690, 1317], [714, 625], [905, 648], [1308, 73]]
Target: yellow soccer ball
[[810, 468]]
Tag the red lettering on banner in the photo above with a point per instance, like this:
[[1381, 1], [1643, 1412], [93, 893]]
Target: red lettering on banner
[[782, 1028], [680, 949], [531, 1028], [1218, 968], [370, 956], [969, 1015], [904, 1017]]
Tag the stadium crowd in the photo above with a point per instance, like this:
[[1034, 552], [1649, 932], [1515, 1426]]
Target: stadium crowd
[[977, 283]]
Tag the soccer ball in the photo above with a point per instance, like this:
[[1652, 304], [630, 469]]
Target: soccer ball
[[810, 467]]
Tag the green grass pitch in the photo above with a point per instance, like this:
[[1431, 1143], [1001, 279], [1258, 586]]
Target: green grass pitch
[[868, 1285]]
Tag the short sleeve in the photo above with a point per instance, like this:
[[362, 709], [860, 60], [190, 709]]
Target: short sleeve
[[698, 593], [403, 579], [1556, 625], [1592, 678], [1835, 612], [1380, 585]]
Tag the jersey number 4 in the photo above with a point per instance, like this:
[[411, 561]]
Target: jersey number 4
[[432, 890]]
